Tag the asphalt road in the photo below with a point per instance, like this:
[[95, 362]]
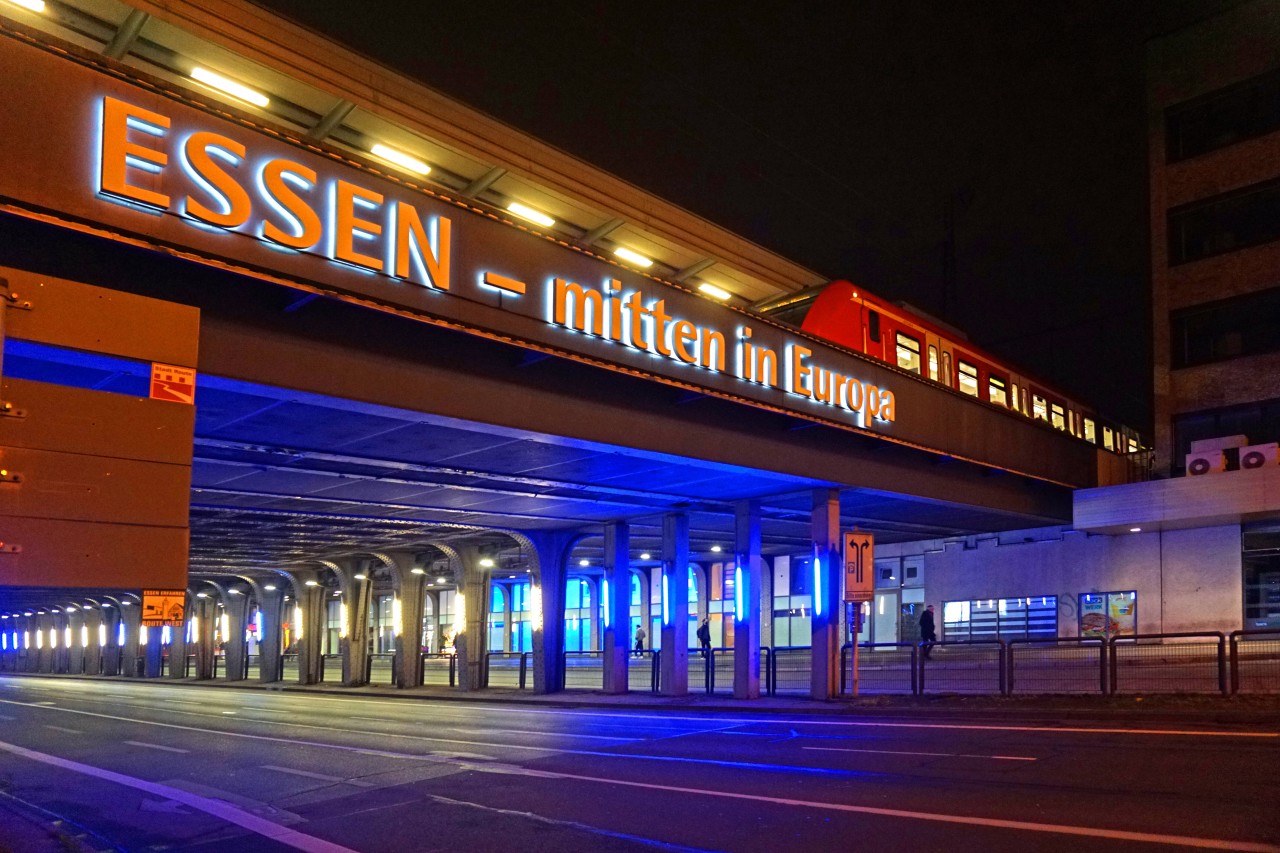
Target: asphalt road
[[140, 767]]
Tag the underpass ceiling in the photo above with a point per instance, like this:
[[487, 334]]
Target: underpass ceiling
[[282, 479]]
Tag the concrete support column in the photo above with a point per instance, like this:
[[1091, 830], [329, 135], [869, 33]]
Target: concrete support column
[[357, 595], [44, 654], [236, 650], [825, 683], [131, 649], [153, 653], [407, 578], [746, 631], [470, 642], [111, 649], [309, 601], [178, 646], [675, 605], [78, 651], [617, 639], [271, 606], [206, 614], [552, 550]]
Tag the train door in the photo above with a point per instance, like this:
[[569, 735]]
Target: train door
[[933, 357], [875, 333], [946, 370]]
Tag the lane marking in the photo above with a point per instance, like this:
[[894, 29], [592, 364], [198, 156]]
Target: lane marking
[[997, 823], [933, 754], [217, 808], [569, 824], [157, 746], [323, 777], [1188, 841], [63, 729], [7, 717]]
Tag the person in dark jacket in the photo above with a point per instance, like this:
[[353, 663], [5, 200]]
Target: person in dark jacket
[[704, 638], [928, 633]]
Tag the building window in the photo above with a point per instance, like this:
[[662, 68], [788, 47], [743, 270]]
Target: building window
[[997, 392], [908, 353], [1090, 431], [933, 362], [1225, 223], [1057, 416], [968, 378], [1039, 407], [1223, 118], [1006, 619], [1233, 328]]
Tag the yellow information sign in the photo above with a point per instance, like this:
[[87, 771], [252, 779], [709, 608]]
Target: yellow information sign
[[859, 563], [162, 607]]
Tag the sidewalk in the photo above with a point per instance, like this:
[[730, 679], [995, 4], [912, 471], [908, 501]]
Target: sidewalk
[[1256, 709]]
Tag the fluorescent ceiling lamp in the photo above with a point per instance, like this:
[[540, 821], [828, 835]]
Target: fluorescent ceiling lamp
[[716, 549], [526, 212], [584, 562], [645, 555], [401, 159], [714, 292], [635, 257], [230, 87], [33, 5]]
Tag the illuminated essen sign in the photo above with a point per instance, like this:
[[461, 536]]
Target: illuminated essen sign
[[214, 181]]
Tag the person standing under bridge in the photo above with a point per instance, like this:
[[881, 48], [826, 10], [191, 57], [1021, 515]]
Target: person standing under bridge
[[928, 633]]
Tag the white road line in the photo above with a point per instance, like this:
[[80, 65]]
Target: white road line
[[997, 823], [157, 746], [62, 729], [323, 777], [7, 717], [932, 754], [217, 808]]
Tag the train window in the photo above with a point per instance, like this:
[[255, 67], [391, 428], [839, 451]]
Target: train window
[[873, 325], [933, 362], [968, 378], [946, 368], [1108, 438], [1090, 431], [1057, 416], [1039, 407], [908, 353], [997, 392], [1133, 446], [1015, 400]]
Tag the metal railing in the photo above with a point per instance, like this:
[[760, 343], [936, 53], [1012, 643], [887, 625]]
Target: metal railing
[[883, 668], [330, 674], [583, 669], [505, 669], [969, 666], [1057, 665], [1190, 662], [438, 668], [1255, 661], [384, 665], [790, 670]]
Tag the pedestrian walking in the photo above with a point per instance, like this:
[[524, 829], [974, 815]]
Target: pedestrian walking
[[704, 637], [640, 637], [928, 633]]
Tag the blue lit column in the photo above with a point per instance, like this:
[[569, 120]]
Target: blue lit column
[[615, 600], [110, 649], [553, 551], [675, 605], [746, 600], [826, 569], [178, 645], [131, 616], [154, 653]]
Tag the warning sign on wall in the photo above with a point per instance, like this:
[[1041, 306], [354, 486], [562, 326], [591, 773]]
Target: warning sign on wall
[[162, 607], [175, 384]]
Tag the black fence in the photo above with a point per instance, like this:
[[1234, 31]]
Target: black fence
[[1255, 661]]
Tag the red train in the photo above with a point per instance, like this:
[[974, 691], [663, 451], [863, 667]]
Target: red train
[[847, 315]]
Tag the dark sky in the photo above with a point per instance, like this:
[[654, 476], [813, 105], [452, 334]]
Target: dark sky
[[837, 134]]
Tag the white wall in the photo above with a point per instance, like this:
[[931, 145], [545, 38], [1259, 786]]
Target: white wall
[[1186, 580]]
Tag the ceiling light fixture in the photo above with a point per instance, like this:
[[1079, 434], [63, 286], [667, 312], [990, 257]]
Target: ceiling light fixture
[[716, 549], [417, 570], [526, 212], [227, 86], [33, 5], [714, 292], [645, 555], [584, 562], [399, 158], [635, 257], [486, 562]]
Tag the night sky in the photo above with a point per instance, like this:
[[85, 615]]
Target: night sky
[[840, 138]]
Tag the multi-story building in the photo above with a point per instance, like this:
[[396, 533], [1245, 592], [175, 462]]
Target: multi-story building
[[1198, 546]]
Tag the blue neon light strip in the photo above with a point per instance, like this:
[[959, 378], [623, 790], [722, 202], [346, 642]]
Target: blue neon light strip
[[666, 607], [604, 601], [817, 584], [738, 610]]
